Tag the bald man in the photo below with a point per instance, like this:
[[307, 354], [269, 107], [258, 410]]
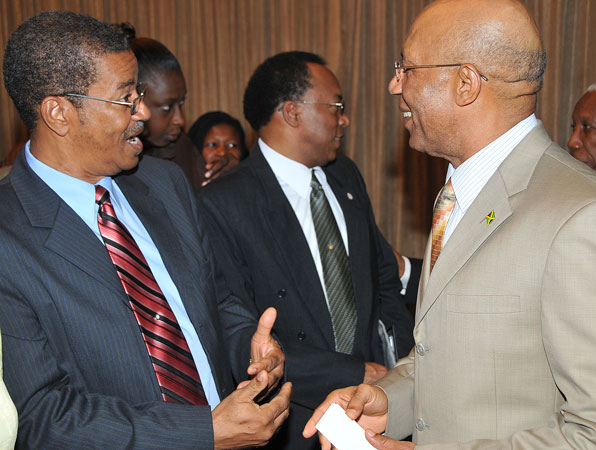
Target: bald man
[[582, 142], [505, 335]]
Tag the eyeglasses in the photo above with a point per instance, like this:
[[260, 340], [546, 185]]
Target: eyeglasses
[[400, 68], [340, 106], [134, 105]]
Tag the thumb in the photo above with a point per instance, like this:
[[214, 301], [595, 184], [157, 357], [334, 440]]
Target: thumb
[[266, 323], [379, 441]]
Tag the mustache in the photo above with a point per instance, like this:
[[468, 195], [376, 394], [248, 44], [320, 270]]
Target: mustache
[[135, 130]]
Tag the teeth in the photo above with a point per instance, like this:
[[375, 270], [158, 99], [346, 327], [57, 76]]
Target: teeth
[[407, 114], [133, 140]]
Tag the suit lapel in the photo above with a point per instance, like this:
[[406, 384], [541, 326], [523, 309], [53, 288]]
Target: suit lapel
[[68, 236], [293, 249], [510, 178], [469, 235]]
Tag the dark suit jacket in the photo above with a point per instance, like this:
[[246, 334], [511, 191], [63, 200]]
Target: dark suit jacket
[[74, 360], [267, 262]]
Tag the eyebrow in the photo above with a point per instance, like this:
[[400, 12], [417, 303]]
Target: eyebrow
[[127, 84]]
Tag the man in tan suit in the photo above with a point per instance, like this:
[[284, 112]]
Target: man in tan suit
[[505, 322]]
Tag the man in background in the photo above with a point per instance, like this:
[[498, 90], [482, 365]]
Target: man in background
[[582, 142], [110, 328], [294, 229], [507, 304]]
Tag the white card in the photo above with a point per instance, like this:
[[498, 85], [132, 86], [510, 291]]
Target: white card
[[343, 432]]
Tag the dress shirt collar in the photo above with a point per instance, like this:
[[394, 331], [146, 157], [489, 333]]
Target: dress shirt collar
[[76, 193], [473, 174], [296, 175]]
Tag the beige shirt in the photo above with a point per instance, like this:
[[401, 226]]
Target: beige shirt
[[8, 414]]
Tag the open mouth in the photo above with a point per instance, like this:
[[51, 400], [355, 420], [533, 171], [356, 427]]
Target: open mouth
[[136, 142]]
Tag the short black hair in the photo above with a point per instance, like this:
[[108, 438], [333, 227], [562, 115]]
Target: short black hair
[[55, 53], [153, 57], [281, 77], [199, 130], [127, 29]]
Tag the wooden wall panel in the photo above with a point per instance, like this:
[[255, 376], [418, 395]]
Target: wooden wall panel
[[220, 42]]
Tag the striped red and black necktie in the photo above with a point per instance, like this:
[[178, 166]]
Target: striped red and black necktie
[[173, 363]]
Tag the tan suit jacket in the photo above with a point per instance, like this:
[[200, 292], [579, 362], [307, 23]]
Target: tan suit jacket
[[505, 332], [8, 414]]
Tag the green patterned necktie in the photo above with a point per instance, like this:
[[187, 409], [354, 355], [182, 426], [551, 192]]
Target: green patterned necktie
[[336, 269]]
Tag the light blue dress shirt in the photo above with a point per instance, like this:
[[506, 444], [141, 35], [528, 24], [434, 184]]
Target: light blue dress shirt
[[80, 196]]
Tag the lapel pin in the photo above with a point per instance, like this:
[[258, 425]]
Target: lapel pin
[[490, 217], [350, 196]]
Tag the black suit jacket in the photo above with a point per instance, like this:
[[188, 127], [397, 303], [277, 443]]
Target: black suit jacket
[[265, 256], [74, 360]]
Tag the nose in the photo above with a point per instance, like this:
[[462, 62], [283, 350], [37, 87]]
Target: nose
[[574, 142], [220, 150], [142, 113], [344, 120], [395, 86], [178, 118]]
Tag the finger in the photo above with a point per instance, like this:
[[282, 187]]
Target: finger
[[356, 404], [281, 402], [381, 442], [242, 384], [265, 325], [310, 427], [256, 385], [325, 444]]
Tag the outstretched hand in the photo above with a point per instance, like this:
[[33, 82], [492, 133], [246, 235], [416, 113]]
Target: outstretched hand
[[265, 352], [366, 404]]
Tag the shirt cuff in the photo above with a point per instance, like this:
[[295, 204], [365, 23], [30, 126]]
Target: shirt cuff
[[406, 276]]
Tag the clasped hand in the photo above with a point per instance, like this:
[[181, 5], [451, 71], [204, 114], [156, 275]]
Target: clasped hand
[[367, 405]]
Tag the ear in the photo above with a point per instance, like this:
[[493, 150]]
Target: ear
[[57, 114], [468, 87], [290, 112]]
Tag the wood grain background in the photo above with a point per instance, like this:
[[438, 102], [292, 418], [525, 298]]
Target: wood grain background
[[220, 42]]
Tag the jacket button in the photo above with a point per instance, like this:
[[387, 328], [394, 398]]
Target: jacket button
[[421, 350], [301, 336], [281, 293], [420, 425]]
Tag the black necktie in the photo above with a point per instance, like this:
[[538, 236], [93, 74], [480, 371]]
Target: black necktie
[[336, 269], [172, 361]]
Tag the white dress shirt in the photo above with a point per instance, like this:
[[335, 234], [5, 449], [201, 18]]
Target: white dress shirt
[[80, 196], [294, 179], [473, 174]]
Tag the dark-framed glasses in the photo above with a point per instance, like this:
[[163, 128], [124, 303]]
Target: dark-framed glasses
[[400, 68], [134, 105], [340, 106]]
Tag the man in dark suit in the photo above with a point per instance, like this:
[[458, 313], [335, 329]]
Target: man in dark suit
[[259, 219], [117, 345]]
